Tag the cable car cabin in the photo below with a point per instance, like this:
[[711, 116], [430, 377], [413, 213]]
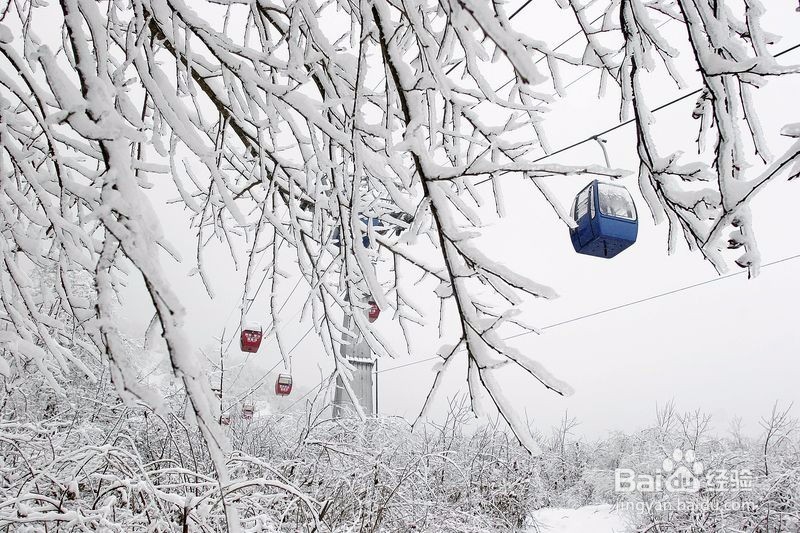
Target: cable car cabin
[[247, 411], [225, 420], [251, 338], [607, 221], [283, 386], [376, 223], [374, 311]]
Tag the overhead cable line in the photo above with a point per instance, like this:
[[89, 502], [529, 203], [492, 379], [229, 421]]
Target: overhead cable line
[[630, 121], [654, 297], [259, 383], [578, 318], [247, 357]]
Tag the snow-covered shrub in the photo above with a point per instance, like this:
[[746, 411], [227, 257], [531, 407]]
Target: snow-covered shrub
[[744, 484], [103, 466]]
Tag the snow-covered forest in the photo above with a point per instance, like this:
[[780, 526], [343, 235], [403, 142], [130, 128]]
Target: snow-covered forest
[[351, 153]]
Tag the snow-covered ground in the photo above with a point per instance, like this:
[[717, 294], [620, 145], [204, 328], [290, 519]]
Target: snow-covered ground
[[589, 519]]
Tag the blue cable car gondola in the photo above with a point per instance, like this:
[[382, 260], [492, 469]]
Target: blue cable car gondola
[[607, 221], [376, 223]]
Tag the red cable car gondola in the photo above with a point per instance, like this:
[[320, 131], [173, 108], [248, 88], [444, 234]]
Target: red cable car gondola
[[374, 311], [283, 386], [251, 338]]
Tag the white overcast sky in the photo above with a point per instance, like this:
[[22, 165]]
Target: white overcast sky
[[729, 348]]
